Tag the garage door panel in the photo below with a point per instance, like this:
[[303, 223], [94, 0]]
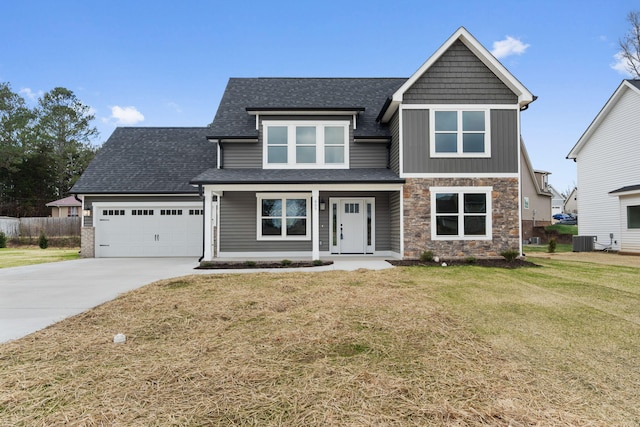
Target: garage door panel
[[149, 231]]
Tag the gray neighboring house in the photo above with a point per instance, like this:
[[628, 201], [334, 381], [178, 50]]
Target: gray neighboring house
[[311, 167], [536, 196]]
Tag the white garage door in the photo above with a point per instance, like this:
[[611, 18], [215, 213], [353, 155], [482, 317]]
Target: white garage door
[[148, 230]]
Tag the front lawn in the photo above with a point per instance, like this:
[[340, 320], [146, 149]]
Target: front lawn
[[468, 345], [16, 257]]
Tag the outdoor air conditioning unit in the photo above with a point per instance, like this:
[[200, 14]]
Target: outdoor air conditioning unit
[[583, 243], [535, 240]]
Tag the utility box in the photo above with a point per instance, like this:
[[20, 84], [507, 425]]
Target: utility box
[[583, 243], [535, 240]]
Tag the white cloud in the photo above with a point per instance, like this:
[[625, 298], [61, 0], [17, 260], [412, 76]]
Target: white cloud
[[126, 115], [507, 47], [620, 65], [173, 106], [29, 94]]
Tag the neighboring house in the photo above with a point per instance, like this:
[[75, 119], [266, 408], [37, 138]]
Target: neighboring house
[[571, 203], [69, 206], [308, 167], [557, 200], [536, 197], [607, 164]]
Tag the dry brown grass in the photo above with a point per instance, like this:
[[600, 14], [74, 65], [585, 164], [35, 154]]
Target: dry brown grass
[[333, 348]]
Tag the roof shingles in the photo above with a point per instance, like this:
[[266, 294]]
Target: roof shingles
[[233, 120], [148, 160]]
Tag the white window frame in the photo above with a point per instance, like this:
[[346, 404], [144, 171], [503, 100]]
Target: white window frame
[[283, 197], [291, 144], [460, 132], [461, 191]]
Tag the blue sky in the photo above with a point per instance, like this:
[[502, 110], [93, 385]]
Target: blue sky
[[154, 63]]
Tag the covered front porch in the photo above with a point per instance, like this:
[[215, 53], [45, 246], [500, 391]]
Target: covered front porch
[[302, 221]]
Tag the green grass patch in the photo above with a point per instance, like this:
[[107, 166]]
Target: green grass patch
[[10, 257], [563, 229], [560, 247]]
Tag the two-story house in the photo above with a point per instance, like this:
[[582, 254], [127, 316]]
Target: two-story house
[[318, 166]]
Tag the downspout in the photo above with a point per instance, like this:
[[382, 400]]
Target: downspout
[[201, 195], [75, 196]]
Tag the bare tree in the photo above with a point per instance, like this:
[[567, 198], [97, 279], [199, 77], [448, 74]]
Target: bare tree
[[630, 45]]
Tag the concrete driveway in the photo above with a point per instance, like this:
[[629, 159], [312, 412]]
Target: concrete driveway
[[36, 296]]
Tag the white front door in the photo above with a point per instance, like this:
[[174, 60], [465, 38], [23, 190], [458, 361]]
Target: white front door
[[352, 227]]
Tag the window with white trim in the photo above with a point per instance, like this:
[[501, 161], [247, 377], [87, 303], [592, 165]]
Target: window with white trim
[[284, 216], [460, 133], [305, 144], [633, 216], [461, 213]]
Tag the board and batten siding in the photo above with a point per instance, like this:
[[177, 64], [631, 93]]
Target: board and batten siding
[[608, 161], [459, 77], [630, 241], [394, 151], [504, 146]]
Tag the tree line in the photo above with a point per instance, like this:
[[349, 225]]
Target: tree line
[[43, 149]]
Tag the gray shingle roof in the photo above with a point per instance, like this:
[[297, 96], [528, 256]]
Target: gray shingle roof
[[625, 189], [296, 176], [232, 119], [148, 160], [635, 82]]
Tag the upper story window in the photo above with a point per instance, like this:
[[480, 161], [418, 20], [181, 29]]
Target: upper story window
[[460, 133], [306, 144]]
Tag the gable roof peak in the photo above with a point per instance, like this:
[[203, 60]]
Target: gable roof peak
[[464, 36]]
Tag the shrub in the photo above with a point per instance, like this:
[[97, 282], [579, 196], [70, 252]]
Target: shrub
[[551, 248], [426, 256], [317, 262], [43, 242], [510, 255], [3, 240], [250, 263], [285, 262], [470, 260]]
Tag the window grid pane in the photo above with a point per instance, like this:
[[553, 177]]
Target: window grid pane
[[633, 216]]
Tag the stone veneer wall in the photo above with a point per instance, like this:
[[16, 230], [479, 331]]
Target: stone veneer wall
[[417, 219], [87, 242]]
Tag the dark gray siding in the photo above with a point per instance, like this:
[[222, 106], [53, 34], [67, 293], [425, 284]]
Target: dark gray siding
[[238, 223], [394, 152], [415, 132], [459, 77], [394, 221], [90, 200], [368, 155], [240, 155], [382, 217], [238, 227], [504, 146]]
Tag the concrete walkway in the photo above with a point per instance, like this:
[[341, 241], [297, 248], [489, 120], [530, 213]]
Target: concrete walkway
[[36, 296]]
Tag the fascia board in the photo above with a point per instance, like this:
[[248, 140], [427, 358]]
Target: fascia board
[[524, 96], [600, 117]]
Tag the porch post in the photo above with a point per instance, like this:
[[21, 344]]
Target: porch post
[[315, 222], [208, 232]]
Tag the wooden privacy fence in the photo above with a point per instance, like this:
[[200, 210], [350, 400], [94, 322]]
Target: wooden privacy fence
[[33, 227]]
